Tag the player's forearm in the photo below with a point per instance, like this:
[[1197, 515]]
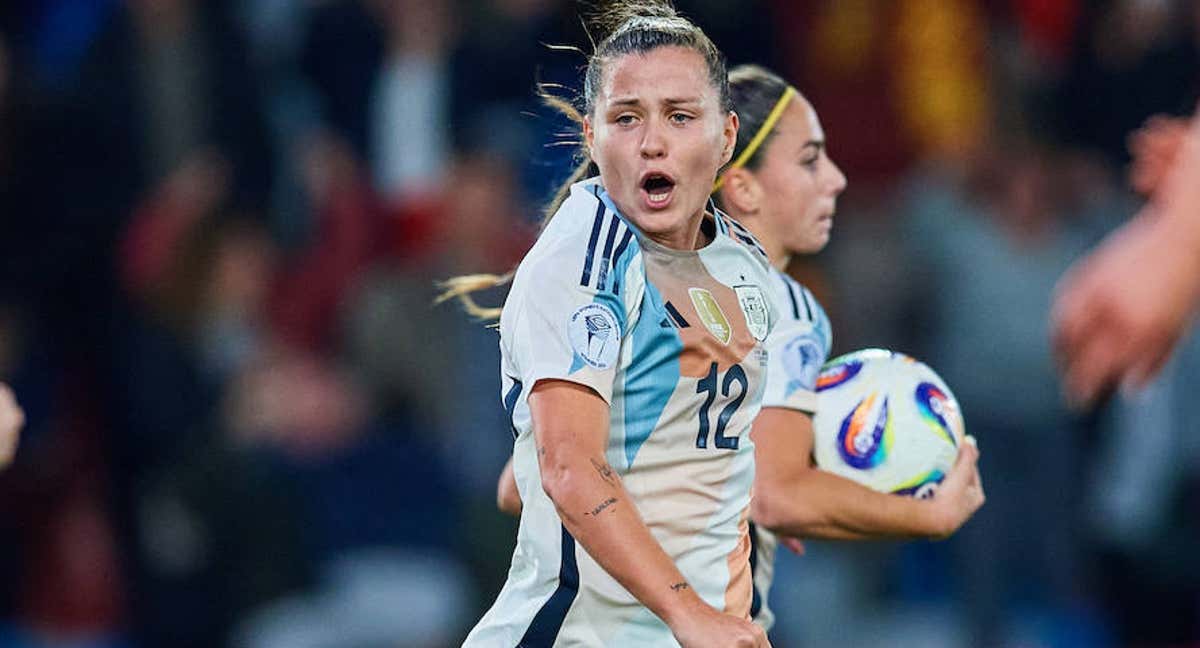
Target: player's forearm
[[819, 504], [597, 510]]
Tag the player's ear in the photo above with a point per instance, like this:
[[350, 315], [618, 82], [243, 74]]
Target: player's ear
[[729, 133], [589, 134], [741, 191]]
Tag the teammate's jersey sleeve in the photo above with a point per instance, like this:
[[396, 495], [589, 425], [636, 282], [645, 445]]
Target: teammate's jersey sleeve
[[570, 309], [797, 347]]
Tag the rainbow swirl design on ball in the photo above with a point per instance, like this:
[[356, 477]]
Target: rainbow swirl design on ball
[[863, 441], [838, 374], [933, 404], [922, 487]]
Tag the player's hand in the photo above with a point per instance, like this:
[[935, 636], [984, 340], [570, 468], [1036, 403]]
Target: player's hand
[[1119, 311], [1154, 147], [959, 495], [705, 627], [12, 418]]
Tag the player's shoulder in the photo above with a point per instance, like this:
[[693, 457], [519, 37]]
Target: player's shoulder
[[799, 302], [583, 243], [744, 238], [583, 239]]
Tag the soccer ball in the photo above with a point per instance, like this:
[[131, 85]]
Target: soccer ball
[[887, 421]]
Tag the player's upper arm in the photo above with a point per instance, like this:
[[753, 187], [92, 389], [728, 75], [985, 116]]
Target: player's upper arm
[[566, 324], [797, 349], [570, 424]]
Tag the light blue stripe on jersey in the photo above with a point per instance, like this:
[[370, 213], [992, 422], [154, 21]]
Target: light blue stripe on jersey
[[652, 374], [655, 364]]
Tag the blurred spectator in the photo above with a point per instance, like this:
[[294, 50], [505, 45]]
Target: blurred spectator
[[341, 54], [994, 241], [1135, 59], [411, 102], [166, 80], [1141, 491]]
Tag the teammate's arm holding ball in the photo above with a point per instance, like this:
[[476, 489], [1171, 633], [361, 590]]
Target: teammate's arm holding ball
[[794, 497], [783, 187]]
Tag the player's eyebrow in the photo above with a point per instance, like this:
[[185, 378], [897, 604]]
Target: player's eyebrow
[[676, 101], [815, 144], [670, 101]]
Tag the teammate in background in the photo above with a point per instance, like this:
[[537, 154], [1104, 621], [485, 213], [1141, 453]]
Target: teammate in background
[[1120, 310], [12, 418], [783, 188], [633, 364]]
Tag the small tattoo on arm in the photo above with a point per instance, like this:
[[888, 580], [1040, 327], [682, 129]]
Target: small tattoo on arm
[[606, 472], [603, 505], [678, 587]]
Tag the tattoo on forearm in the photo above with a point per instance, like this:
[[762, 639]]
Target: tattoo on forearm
[[599, 508], [606, 472], [678, 587]]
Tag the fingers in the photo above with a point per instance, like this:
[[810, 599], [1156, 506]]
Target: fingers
[[795, 545], [964, 464], [1073, 317], [1154, 148], [1094, 367], [976, 478]]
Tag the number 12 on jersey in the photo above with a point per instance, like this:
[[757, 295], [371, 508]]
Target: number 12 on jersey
[[709, 385]]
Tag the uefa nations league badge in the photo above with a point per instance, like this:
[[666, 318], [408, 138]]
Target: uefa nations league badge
[[754, 307], [595, 335]]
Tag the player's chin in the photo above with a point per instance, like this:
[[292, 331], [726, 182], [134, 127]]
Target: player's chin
[[654, 221], [813, 242]]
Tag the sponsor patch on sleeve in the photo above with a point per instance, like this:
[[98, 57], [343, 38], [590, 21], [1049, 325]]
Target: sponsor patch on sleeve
[[595, 335], [802, 357]]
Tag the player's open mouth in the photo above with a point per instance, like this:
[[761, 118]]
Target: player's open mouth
[[657, 189]]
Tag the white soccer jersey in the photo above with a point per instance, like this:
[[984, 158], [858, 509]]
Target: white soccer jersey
[[673, 341], [798, 346]]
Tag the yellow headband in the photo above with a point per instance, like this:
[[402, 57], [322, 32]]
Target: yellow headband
[[761, 135]]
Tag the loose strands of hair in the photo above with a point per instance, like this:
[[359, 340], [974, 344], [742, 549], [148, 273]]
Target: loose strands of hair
[[628, 27]]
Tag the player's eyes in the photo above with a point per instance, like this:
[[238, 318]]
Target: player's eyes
[[680, 118], [624, 120]]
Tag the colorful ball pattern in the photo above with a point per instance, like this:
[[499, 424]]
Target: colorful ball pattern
[[886, 421]]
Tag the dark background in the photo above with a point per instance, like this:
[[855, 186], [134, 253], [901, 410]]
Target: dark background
[[220, 224]]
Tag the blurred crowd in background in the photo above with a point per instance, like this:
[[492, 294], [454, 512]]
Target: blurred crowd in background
[[220, 227]]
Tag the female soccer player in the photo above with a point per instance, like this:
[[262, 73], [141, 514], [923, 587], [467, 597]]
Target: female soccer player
[[783, 187], [633, 364]]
